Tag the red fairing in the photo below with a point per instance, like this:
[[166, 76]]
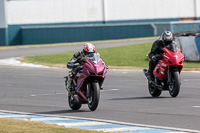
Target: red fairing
[[170, 59]]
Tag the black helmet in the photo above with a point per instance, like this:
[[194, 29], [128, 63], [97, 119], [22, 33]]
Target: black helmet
[[167, 37]]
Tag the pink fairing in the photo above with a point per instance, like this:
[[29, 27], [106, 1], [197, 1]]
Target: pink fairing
[[93, 70]]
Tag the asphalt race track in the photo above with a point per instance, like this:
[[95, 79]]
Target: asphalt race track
[[125, 96]]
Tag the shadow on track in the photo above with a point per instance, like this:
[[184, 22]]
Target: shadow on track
[[137, 98]]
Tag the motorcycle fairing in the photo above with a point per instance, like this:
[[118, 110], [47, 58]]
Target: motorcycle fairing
[[170, 59], [91, 71]]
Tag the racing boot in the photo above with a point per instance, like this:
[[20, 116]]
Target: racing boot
[[149, 74], [69, 84], [150, 71], [69, 81]]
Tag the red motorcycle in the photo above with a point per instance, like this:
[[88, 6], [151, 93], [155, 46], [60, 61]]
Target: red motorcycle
[[87, 83], [167, 72]]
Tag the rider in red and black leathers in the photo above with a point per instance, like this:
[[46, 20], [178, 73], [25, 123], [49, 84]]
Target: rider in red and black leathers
[[157, 50]]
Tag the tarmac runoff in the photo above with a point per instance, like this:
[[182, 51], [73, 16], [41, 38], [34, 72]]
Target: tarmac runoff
[[92, 124]]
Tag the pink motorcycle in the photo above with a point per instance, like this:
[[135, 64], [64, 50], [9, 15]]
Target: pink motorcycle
[[87, 83]]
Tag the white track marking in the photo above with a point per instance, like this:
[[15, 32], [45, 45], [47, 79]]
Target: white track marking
[[46, 119], [12, 116], [191, 71], [124, 72], [81, 123], [196, 106], [191, 79], [115, 89], [34, 95], [175, 132], [111, 90], [124, 129]]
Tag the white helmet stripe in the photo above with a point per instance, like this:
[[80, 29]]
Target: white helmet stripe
[[90, 47]]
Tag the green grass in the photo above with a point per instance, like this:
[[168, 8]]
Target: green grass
[[133, 56], [21, 126]]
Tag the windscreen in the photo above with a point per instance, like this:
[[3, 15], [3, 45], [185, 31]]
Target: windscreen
[[172, 47], [94, 57]]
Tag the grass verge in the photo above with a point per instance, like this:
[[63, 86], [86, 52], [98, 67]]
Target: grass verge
[[8, 125], [132, 56]]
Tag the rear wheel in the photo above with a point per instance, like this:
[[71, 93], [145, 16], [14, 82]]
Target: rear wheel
[[174, 87], [73, 104], [154, 92], [93, 100]]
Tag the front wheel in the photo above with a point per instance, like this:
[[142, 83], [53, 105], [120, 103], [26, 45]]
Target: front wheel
[[93, 99], [174, 87], [73, 104], [154, 92]]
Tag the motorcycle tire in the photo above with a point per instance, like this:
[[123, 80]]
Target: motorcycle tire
[[73, 104], [175, 88], [93, 100], [154, 92]]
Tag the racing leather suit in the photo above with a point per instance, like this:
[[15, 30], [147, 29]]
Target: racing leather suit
[[155, 55], [76, 58]]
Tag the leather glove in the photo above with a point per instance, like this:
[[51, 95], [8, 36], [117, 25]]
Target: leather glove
[[79, 67], [157, 57]]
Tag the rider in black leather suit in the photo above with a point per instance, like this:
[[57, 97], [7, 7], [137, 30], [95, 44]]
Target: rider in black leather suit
[[157, 50]]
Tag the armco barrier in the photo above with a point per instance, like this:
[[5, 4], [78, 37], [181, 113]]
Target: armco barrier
[[78, 32], [184, 26], [61, 34], [176, 27], [190, 47]]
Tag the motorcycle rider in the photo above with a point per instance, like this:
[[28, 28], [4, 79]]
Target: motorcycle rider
[[78, 58], [155, 55]]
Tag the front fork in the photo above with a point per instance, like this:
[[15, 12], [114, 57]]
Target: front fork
[[169, 81], [171, 69], [88, 86]]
